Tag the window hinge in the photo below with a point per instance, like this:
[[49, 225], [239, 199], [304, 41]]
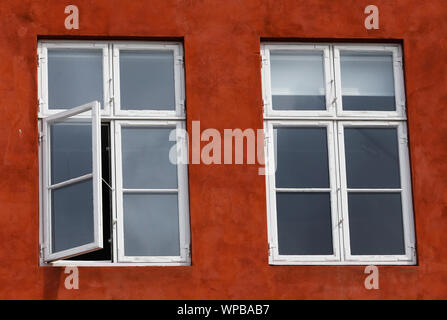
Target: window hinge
[[40, 138], [182, 106], [41, 250], [266, 137], [40, 102], [264, 60], [413, 250], [398, 63], [265, 105], [40, 60], [188, 250], [404, 140], [271, 248], [179, 60]]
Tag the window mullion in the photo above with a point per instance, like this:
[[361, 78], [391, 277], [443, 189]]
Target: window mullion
[[343, 221]]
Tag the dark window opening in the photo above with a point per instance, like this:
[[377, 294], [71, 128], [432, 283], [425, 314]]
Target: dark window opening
[[106, 252]]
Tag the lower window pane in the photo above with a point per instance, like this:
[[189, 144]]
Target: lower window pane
[[72, 216], [151, 225], [375, 224], [304, 223]]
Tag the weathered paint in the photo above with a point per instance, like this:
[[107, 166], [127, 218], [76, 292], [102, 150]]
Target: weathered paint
[[223, 82]]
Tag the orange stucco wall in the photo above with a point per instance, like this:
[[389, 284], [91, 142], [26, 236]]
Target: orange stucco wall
[[223, 90]]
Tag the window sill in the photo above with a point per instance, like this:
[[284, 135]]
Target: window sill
[[342, 263], [62, 263]]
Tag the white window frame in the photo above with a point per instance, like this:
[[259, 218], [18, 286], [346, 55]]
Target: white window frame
[[116, 118], [272, 190], [42, 73], [338, 119], [404, 190], [181, 191], [48, 254], [399, 92], [267, 87], [179, 108]]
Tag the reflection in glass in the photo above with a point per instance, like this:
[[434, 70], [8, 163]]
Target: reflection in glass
[[71, 150], [147, 80], [375, 224], [145, 157], [302, 158], [304, 223], [367, 81], [372, 158], [297, 80], [72, 222], [75, 77], [151, 225]]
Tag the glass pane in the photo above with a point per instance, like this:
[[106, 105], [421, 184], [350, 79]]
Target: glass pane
[[145, 157], [72, 215], [71, 150], [147, 80], [367, 81], [75, 77], [304, 223], [302, 158], [372, 158], [375, 223], [297, 80], [151, 225]]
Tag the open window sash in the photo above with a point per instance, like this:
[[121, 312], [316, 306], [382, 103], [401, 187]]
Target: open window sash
[[72, 201]]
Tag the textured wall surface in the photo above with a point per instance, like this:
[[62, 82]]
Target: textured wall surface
[[223, 90]]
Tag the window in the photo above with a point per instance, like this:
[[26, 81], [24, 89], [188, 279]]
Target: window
[[112, 121], [339, 188]]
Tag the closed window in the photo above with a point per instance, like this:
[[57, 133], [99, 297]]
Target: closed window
[[339, 186], [112, 123]]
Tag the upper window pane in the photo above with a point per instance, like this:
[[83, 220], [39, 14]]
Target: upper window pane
[[297, 80], [75, 77], [372, 158], [147, 80], [71, 150], [367, 81], [145, 157], [302, 158]]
